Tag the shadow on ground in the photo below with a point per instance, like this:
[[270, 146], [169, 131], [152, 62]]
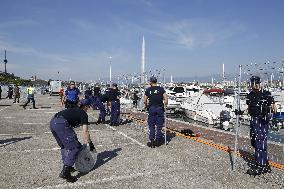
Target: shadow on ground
[[103, 157], [12, 140]]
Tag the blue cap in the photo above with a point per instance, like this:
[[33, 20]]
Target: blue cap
[[85, 102], [153, 79], [255, 79]]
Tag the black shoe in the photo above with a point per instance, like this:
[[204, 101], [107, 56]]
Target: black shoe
[[99, 121], [159, 142], [24, 107], [151, 144], [111, 124], [266, 169], [255, 170], [66, 174]]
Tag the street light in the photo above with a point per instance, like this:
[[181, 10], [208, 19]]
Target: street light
[[110, 69]]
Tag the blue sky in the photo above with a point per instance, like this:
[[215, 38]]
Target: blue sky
[[187, 38]]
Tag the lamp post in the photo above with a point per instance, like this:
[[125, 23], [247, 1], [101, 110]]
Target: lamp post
[[5, 62], [110, 69]]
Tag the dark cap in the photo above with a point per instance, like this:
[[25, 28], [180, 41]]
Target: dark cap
[[153, 79], [114, 85], [85, 102], [255, 79]]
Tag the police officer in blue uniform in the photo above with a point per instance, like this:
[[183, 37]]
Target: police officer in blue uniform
[[108, 96], [260, 106], [61, 126], [71, 97], [115, 105], [98, 103], [155, 100]]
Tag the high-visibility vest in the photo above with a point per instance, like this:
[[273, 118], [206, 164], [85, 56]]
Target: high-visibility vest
[[30, 90]]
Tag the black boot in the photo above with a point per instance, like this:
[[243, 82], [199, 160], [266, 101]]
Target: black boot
[[159, 142], [66, 174], [266, 169], [255, 170], [99, 121], [151, 144]]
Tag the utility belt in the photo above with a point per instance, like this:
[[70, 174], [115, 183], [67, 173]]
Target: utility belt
[[156, 106]]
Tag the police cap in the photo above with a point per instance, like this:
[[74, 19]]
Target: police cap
[[153, 79], [114, 85], [255, 79]]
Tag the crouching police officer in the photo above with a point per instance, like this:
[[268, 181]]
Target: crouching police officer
[[155, 99], [61, 126], [260, 105]]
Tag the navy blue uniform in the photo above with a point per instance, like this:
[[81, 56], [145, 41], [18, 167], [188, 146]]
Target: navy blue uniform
[[61, 126], [98, 104], [259, 104], [156, 116], [72, 97], [115, 106]]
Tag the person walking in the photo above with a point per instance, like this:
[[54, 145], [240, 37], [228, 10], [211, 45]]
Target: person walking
[[16, 94], [31, 96]]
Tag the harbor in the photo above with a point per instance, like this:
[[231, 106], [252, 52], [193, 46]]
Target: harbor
[[31, 157]]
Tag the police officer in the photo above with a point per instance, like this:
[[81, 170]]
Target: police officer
[[115, 105], [71, 97], [108, 96], [0, 92], [31, 96], [98, 104], [135, 99], [61, 126], [155, 100], [260, 105]]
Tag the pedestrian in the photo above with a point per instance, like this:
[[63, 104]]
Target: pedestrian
[[260, 105], [98, 103], [61, 95], [61, 126], [71, 97], [115, 105], [16, 94], [155, 100], [31, 96], [135, 99], [0, 92], [10, 92]]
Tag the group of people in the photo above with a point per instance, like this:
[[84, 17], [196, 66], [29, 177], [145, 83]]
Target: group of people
[[260, 105], [12, 92]]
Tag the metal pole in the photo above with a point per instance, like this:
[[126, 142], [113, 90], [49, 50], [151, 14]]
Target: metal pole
[[238, 119], [166, 143]]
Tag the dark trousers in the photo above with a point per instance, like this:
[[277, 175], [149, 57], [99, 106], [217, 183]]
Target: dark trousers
[[156, 120], [29, 100], [71, 104], [115, 112], [67, 139], [258, 135], [16, 98], [99, 104]]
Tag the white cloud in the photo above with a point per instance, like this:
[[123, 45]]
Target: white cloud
[[17, 23], [199, 33], [83, 24]]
